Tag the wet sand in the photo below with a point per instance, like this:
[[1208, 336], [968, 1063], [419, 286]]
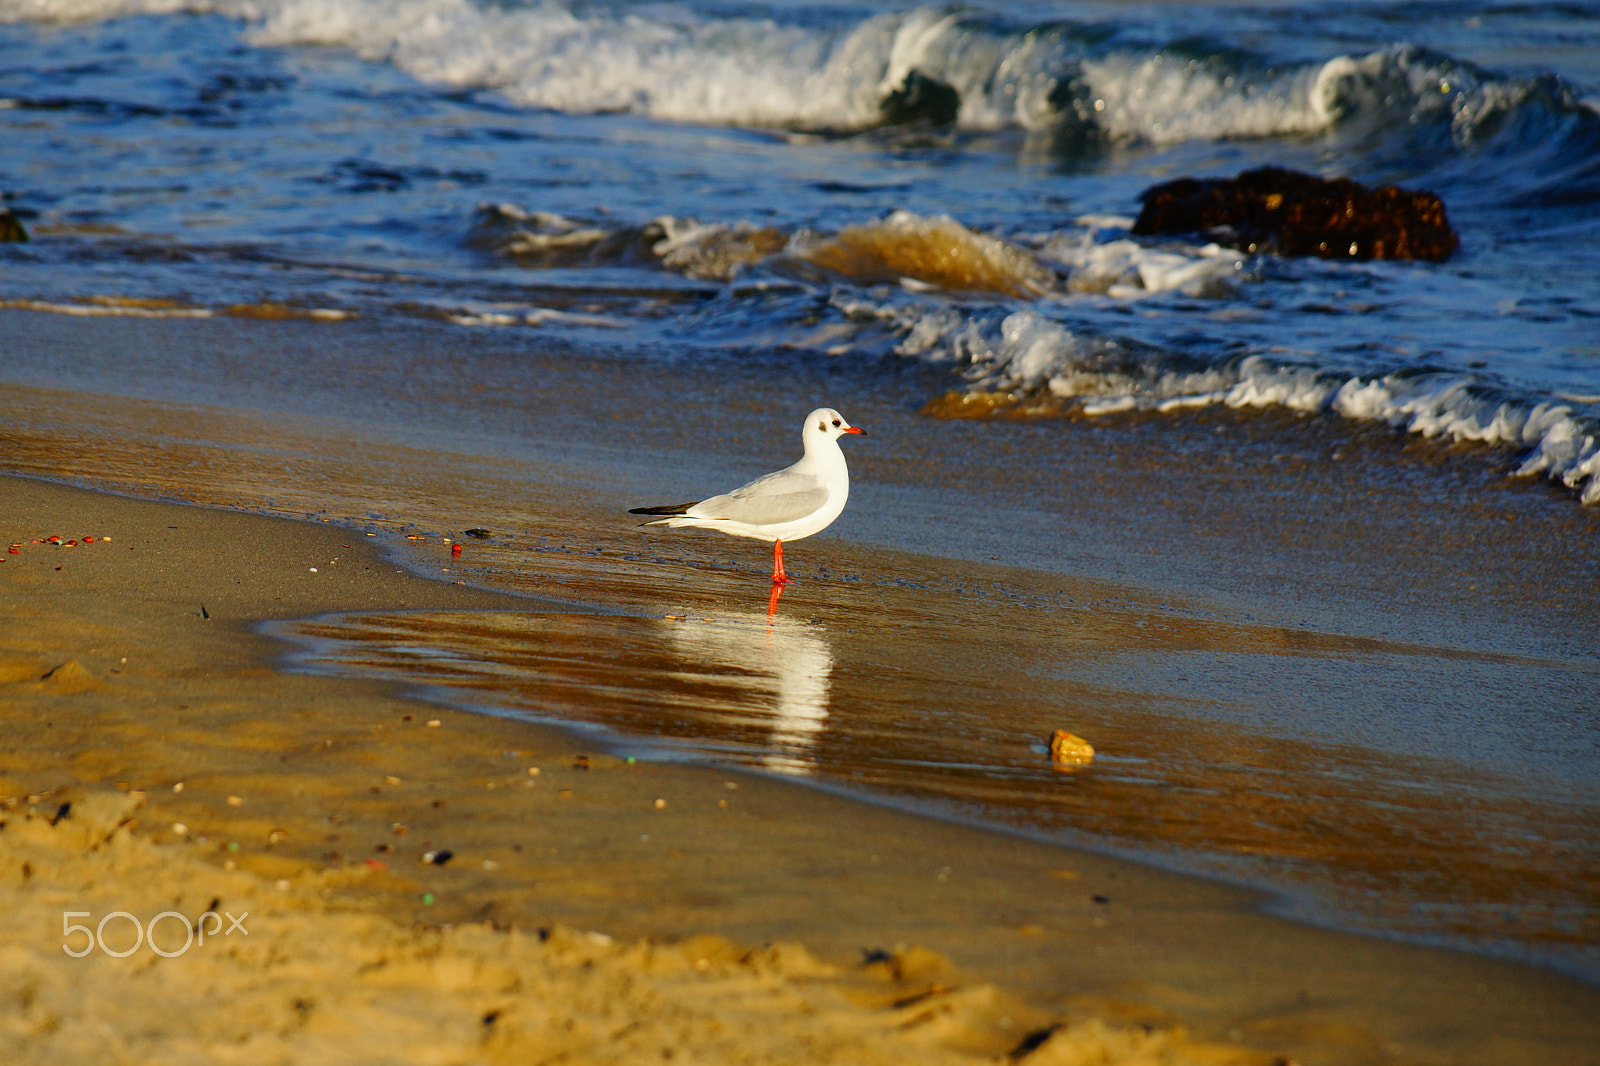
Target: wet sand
[[358, 959], [1356, 667]]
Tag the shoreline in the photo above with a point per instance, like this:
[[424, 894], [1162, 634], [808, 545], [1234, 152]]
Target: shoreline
[[1029, 916]]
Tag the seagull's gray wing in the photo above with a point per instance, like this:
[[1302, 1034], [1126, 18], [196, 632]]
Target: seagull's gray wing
[[767, 501]]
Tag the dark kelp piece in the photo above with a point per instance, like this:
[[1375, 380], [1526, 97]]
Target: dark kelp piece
[[1284, 211]]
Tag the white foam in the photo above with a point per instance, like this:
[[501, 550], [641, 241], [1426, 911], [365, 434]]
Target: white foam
[[739, 71], [1105, 222], [1030, 353], [87, 10], [106, 310], [538, 233], [1437, 405], [538, 316], [500, 314], [1167, 98], [1033, 352], [716, 250], [483, 318], [674, 64], [1109, 406], [1125, 269], [1262, 384]]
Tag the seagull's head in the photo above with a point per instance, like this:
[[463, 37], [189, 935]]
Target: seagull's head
[[827, 424]]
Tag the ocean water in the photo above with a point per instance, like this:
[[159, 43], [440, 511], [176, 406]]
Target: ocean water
[[678, 178], [498, 231]]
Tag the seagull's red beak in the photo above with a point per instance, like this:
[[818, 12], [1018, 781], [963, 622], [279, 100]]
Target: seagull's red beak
[[855, 429]]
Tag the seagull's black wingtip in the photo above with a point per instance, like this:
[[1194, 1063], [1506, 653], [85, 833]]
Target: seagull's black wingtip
[[682, 508]]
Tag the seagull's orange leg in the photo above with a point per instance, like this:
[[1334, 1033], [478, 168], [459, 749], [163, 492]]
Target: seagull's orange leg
[[778, 576]]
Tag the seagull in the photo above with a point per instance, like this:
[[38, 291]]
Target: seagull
[[794, 502]]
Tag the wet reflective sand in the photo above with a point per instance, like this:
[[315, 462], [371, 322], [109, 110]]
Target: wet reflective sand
[[1401, 843]]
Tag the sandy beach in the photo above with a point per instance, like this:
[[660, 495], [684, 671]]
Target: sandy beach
[[597, 910], [159, 765]]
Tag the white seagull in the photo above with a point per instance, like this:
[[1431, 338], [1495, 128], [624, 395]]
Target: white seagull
[[794, 502]]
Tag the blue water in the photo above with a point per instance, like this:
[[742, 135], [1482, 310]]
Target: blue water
[[393, 159]]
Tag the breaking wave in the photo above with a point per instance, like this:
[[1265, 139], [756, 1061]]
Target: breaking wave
[[956, 66], [904, 248], [1028, 361], [896, 286]]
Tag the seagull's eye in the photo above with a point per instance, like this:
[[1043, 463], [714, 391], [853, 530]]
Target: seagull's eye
[[836, 421]]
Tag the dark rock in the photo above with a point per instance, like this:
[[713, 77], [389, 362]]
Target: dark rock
[[921, 99], [1289, 213], [11, 227]]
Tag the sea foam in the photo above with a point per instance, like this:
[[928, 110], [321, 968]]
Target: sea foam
[[1027, 354], [674, 64]]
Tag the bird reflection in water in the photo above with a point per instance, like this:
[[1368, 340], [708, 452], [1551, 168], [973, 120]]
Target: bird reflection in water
[[783, 668]]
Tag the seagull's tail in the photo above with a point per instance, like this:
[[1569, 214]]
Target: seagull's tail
[[675, 511]]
